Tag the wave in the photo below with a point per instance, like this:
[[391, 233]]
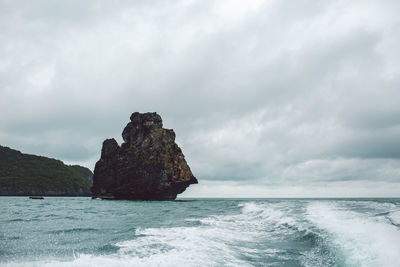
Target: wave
[[238, 239], [20, 220], [242, 239], [259, 233], [395, 217], [72, 230], [357, 239], [218, 240]]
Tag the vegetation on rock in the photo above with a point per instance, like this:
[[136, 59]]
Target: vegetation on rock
[[25, 174]]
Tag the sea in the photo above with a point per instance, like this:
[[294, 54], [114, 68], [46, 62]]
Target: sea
[[80, 231]]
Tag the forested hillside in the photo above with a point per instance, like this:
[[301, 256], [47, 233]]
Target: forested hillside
[[25, 174]]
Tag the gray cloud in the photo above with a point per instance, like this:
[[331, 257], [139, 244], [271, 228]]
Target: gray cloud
[[268, 93]]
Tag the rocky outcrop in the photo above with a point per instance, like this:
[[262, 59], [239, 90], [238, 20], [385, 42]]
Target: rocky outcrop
[[149, 165]]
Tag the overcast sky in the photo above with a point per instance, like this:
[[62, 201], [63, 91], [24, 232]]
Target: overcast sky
[[274, 98]]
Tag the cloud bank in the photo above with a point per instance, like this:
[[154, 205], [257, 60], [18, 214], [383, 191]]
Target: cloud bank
[[268, 98]]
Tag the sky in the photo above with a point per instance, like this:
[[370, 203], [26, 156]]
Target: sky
[[273, 98]]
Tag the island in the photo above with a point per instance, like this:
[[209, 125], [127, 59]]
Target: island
[[30, 175], [149, 165]]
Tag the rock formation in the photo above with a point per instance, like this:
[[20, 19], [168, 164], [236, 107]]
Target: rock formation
[[149, 165]]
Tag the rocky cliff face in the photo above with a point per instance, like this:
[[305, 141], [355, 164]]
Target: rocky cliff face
[[149, 165]]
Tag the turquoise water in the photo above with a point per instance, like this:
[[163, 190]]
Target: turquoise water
[[199, 232]]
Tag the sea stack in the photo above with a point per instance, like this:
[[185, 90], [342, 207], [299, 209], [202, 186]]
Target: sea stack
[[149, 165]]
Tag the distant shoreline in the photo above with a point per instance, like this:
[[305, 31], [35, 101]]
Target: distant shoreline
[[230, 198]]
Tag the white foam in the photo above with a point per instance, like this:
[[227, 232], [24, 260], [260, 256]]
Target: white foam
[[395, 217], [220, 240], [268, 214], [361, 239], [190, 246], [216, 241], [251, 207]]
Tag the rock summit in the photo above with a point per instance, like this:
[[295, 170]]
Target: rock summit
[[149, 165]]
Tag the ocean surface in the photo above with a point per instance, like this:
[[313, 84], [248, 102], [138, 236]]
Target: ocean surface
[[199, 232]]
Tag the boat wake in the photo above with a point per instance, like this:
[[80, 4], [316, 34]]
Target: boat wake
[[260, 233], [357, 239]]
